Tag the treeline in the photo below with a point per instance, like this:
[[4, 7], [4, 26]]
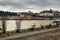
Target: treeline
[[6, 13]]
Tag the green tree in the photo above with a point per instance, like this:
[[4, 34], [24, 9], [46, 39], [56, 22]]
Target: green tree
[[42, 27], [47, 26], [4, 24], [33, 27]]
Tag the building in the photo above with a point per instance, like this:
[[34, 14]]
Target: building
[[49, 14]]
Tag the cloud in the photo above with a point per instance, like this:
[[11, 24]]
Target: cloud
[[25, 5]]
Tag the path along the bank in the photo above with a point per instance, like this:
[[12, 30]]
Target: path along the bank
[[42, 32]]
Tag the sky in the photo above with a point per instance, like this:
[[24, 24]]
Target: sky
[[29, 5]]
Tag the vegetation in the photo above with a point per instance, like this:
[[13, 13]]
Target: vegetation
[[57, 24], [18, 25], [48, 26], [33, 28], [39, 28], [42, 27], [3, 24]]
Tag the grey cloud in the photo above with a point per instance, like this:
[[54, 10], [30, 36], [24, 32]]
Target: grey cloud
[[31, 4], [24, 3]]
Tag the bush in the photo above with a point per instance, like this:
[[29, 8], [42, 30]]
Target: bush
[[47, 26], [37, 28], [50, 25], [42, 27]]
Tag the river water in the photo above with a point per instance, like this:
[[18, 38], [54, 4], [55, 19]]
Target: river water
[[11, 24]]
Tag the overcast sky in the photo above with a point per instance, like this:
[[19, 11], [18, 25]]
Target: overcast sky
[[29, 5]]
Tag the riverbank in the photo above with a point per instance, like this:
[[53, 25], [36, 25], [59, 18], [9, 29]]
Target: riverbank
[[55, 36], [33, 34], [33, 28]]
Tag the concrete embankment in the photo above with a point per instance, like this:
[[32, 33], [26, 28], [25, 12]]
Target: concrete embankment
[[35, 35]]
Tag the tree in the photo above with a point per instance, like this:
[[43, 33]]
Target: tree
[[42, 27], [33, 27], [18, 24], [57, 24], [4, 24], [50, 10]]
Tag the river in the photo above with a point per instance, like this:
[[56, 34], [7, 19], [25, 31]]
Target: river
[[11, 24]]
